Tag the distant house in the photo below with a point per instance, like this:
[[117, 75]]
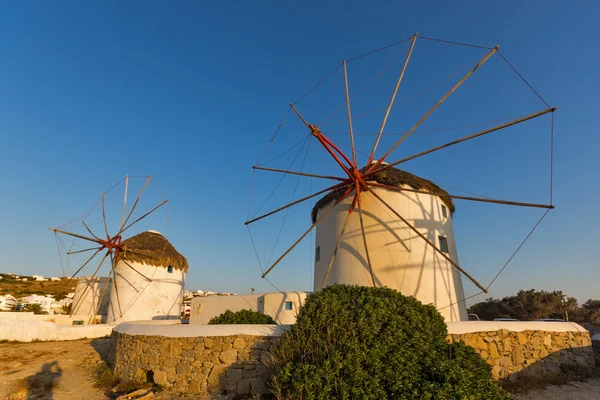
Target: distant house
[[55, 279], [8, 303], [44, 301], [39, 278]]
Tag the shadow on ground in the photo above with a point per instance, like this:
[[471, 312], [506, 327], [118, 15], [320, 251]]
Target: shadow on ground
[[39, 386]]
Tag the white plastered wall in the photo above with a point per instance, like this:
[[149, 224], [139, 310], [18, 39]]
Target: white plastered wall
[[135, 298], [93, 300], [400, 259], [272, 304]]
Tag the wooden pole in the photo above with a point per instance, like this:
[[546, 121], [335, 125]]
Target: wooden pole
[[84, 264], [362, 228], [133, 208], [469, 137], [104, 218], [72, 234], [387, 112], [89, 284], [439, 103], [300, 116], [444, 255], [349, 113], [125, 200], [479, 199], [138, 272], [305, 233], [143, 216], [294, 203], [84, 250], [89, 230], [339, 241], [285, 171], [112, 263]]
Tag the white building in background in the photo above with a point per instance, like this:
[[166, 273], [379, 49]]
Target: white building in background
[[55, 279], [281, 306], [148, 280], [44, 301], [400, 259], [39, 278], [8, 302]]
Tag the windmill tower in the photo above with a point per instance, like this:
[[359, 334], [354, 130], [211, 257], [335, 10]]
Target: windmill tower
[[381, 226], [146, 275], [397, 257], [149, 280]]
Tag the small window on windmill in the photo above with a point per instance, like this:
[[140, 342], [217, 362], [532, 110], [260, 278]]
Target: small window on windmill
[[289, 305], [444, 212], [170, 269], [317, 253], [443, 244]]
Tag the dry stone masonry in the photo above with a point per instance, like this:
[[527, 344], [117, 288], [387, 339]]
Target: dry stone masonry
[[214, 365], [514, 354], [230, 365]]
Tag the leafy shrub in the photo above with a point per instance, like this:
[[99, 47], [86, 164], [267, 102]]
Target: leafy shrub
[[241, 317], [352, 342]]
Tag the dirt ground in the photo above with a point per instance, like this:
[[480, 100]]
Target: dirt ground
[[65, 365], [65, 369]]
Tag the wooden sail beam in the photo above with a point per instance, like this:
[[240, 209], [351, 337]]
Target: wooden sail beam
[[439, 103], [306, 233], [387, 112], [89, 284], [104, 218], [464, 139], [349, 113], [143, 216], [112, 263], [479, 199], [135, 270], [364, 236], [73, 234], [285, 171], [84, 264], [339, 185], [84, 250], [444, 255], [339, 241], [133, 207]]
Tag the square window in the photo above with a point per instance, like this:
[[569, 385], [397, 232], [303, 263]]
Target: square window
[[170, 269], [443, 244], [444, 212], [317, 253], [288, 305]]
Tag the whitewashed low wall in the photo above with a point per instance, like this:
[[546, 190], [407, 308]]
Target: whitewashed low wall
[[59, 319], [27, 331]]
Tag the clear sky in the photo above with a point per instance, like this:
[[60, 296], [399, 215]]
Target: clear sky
[[191, 93]]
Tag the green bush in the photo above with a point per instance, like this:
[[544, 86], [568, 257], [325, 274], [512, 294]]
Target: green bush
[[241, 317], [352, 342]]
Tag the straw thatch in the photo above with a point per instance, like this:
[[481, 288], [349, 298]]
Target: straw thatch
[[151, 248], [392, 177]]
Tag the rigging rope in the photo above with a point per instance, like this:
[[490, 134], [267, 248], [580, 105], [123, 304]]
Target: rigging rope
[[523, 79], [379, 49], [457, 43]]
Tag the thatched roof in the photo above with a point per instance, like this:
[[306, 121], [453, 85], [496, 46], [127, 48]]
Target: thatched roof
[[152, 248], [392, 177]]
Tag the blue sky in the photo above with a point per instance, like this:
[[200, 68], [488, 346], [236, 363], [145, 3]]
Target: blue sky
[[191, 93]]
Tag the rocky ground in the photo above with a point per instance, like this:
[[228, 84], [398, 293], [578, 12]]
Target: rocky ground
[[63, 371]]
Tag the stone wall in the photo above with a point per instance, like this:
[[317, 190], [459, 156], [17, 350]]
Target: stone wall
[[214, 365], [513, 354], [206, 363]]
